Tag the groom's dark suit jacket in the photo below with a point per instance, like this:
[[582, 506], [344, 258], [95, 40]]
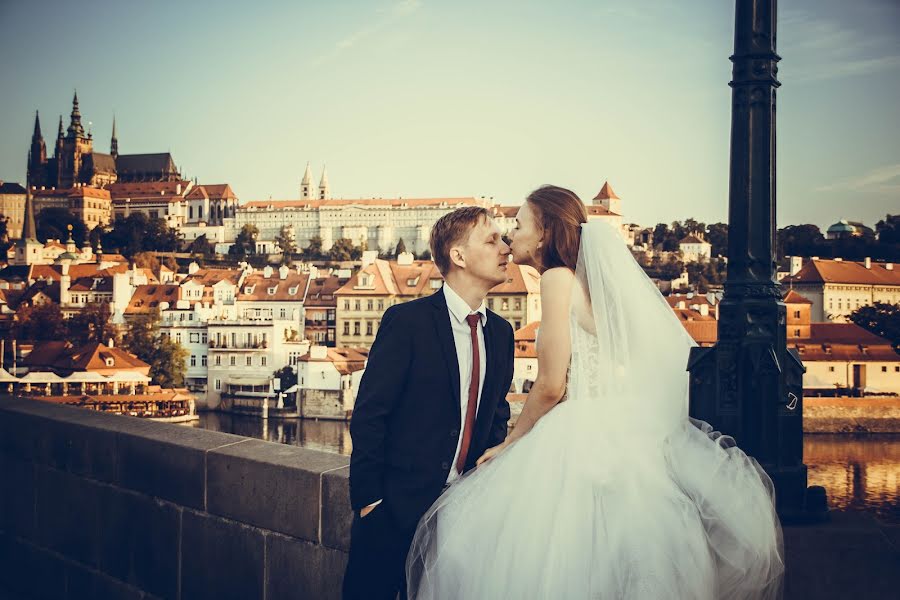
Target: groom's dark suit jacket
[[407, 417]]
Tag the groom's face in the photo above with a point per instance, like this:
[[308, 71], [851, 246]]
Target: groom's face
[[484, 254]]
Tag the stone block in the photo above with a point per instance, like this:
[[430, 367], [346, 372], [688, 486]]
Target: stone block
[[68, 515], [272, 486], [16, 497], [140, 541], [337, 516], [30, 571], [300, 569], [168, 461], [220, 559], [85, 583]]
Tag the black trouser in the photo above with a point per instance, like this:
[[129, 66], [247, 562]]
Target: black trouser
[[376, 569]]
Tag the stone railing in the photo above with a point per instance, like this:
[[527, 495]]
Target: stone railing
[[94, 505]]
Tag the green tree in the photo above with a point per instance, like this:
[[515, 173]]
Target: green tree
[[313, 251], [287, 378], [717, 236], [91, 324], [343, 249], [801, 240], [139, 233], [201, 247], [5, 243], [888, 229], [95, 237], [882, 319], [401, 247], [245, 242], [286, 242], [165, 356], [41, 322], [52, 224]]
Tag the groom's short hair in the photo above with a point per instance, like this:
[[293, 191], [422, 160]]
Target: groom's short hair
[[450, 229]]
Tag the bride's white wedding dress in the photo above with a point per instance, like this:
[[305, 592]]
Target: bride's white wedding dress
[[614, 493]]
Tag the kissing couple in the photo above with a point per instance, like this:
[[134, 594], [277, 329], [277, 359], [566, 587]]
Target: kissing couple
[[603, 489]]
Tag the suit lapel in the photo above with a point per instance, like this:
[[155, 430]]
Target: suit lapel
[[441, 317]]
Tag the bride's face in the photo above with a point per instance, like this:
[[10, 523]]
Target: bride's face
[[526, 237]]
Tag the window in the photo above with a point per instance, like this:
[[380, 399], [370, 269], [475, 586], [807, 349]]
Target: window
[[193, 360], [381, 305], [178, 337], [504, 305], [518, 305], [356, 328], [346, 305], [346, 328], [831, 369], [796, 333], [518, 325], [233, 360], [249, 361], [283, 313], [884, 369], [202, 360], [262, 360], [357, 305], [370, 304], [796, 314], [491, 303], [368, 327], [194, 337], [218, 384], [203, 338], [896, 369], [218, 360]]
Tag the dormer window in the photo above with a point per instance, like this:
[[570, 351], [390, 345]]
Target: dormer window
[[110, 362], [293, 291], [272, 290], [249, 289], [435, 284], [412, 281]]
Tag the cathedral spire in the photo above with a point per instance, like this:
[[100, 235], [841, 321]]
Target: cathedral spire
[[114, 142], [324, 188], [59, 134], [37, 136], [29, 231], [75, 127], [306, 184]]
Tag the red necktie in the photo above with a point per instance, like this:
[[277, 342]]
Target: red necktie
[[472, 320]]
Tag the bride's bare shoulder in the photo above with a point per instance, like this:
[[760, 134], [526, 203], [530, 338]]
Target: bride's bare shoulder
[[556, 287], [557, 276]]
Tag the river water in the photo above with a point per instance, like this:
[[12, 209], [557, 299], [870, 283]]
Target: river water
[[860, 472]]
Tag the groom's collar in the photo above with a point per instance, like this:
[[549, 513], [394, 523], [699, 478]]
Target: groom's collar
[[458, 307]]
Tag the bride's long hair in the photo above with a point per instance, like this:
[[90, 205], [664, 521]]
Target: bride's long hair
[[560, 213]]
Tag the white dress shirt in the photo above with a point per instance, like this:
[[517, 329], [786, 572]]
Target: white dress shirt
[[462, 337]]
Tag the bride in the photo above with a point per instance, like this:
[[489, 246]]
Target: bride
[[605, 488]]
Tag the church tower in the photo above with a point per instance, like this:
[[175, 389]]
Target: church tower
[[114, 142], [75, 145], [607, 198], [37, 155], [306, 188], [29, 250], [324, 188]]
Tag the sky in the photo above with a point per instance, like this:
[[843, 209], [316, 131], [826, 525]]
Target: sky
[[419, 98]]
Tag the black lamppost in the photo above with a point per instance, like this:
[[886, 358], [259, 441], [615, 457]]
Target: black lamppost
[[749, 385]]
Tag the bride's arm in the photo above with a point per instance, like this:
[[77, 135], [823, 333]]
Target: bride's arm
[[554, 349]]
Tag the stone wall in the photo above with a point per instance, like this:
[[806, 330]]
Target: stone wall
[[851, 415], [103, 506]]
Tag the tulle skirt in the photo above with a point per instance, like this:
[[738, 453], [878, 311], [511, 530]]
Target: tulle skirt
[[577, 511]]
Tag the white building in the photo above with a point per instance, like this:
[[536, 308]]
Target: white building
[[694, 248], [328, 381], [838, 287]]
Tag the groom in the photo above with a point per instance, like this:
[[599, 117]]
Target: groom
[[432, 400]]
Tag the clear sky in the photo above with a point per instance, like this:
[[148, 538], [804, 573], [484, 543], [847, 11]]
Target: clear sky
[[420, 98]]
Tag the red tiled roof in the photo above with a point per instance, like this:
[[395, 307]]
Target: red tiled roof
[[704, 332], [145, 189], [692, 239], [528, 333], [606, 193], [598, 210], [209, 277], [321, 291], [792, 297], [258, 288], [146, 298], [215, 191], [845, 271]]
